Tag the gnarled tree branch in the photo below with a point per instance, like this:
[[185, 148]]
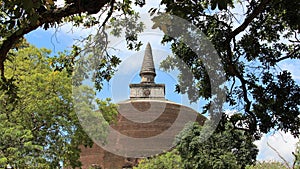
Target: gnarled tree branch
[[49, 16], [248, 19]]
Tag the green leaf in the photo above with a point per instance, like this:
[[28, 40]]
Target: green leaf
[[28, 4]]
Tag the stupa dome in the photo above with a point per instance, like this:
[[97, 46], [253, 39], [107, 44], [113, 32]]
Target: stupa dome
[[146, 117]]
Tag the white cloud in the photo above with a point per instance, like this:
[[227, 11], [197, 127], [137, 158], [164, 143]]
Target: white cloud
[[283, 143], [238, 11], [293, 67], [230, 112], [132, 61], [128, 70], [60, 3]]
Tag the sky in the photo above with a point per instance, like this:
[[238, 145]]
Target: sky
[[63, 38]]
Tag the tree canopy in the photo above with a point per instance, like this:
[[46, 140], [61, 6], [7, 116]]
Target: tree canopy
[[251, 48], [39, 127], [267, 165], [229, 148], [195, 148], [296, 164], [252, 38], [169, 160], [21, 17]]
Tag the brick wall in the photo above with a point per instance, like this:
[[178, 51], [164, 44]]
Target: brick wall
[[157, 116]]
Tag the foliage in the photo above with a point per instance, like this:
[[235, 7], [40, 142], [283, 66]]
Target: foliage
[[196, 148], [20, 17], [39, 127], [230, 148], [251, 50], [169, 160], [252, 39], [277, 165], [132, 28], [296, 164], [267, 165]]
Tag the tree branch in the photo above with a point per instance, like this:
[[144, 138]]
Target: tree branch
[[289, 55], [248, 20], [233, 71], [285, 162], [109, 12], [50, 16]]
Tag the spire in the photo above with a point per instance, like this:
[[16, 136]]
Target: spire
[[147, 88], [147, 72]]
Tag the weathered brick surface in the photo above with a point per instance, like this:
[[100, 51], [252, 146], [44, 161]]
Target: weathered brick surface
[[164, 113]]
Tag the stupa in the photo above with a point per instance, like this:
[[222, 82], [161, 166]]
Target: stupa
[[147, 118]]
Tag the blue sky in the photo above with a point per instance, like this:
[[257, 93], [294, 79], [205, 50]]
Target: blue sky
[[63, 38]]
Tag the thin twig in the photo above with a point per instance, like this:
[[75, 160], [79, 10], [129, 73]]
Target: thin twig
[[285, 162]]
